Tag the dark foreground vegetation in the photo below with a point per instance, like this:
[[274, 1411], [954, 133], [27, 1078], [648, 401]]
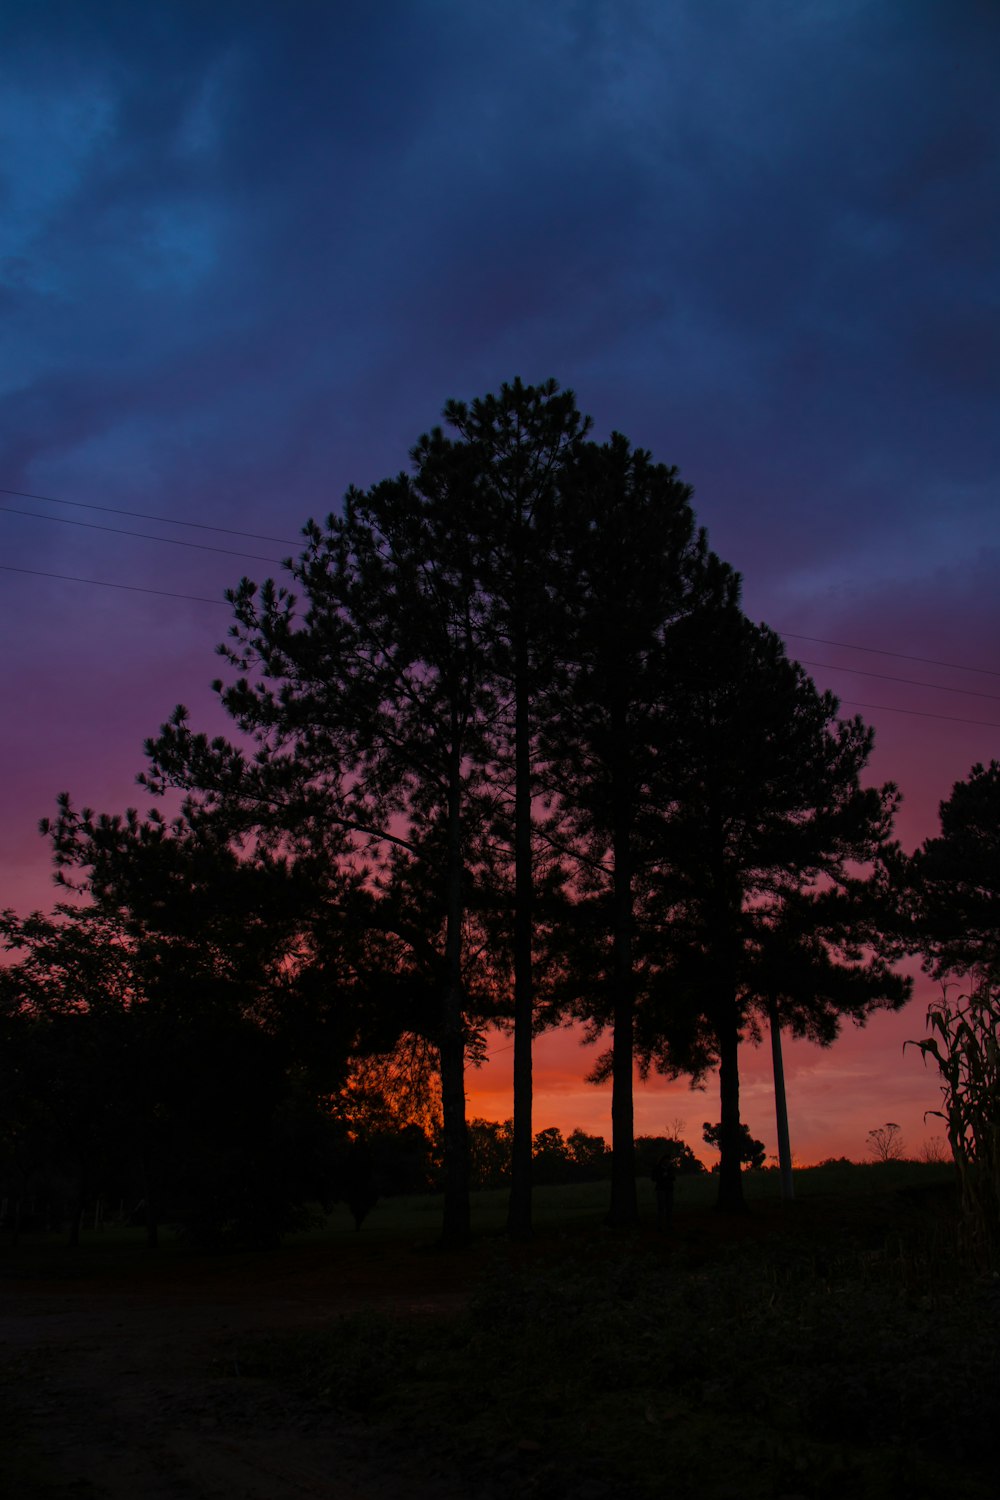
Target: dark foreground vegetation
[[839, 1345], [820, 1350]]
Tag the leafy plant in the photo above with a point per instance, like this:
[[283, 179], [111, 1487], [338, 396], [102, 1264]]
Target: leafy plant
[[965, 1044]]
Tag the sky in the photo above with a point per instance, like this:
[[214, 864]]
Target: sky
[[248, 250]]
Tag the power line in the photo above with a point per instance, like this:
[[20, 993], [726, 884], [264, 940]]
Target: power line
[[134, 588], [934, 687], [204, 599], [920, 713], [285, 541], [102, 583], [145, 515], [257, 557], [170, 541], [927, 661]]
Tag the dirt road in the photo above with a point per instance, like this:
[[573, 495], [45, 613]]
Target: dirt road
[[135, 1392]]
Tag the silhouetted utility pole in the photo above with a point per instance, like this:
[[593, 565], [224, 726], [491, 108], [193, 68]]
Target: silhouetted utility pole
[[780, 1102]]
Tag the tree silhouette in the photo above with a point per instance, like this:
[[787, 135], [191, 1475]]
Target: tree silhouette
[[752, 1153], [822, 959], [153, 1020], [508, 602], [63, 1010], [528, 617], [768, 809], [369, 707], [588, 1154], [490, 1148], [955, 881], [885, 1142], [512, 452], [632, 566], [650, 1149]]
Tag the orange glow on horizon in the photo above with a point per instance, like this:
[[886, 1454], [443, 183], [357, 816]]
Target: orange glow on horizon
[[835, 1094]]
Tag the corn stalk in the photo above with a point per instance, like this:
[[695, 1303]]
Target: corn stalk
[[965, 1044]]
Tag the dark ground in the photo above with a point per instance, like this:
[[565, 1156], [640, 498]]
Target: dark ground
[[125, 1380], [833, 1350]]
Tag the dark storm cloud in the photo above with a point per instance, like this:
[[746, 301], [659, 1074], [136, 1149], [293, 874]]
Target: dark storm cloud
[[249, 250], [752, 206]]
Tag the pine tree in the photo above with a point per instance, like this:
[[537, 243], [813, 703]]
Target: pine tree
[[514, 450], [632, 566], [954, 882], [768, 811], [369, 707]]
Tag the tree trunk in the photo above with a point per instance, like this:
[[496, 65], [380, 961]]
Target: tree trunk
[[780, 1103], [457, 1217], [519, 1207], [76, 1222], [456, 1224], [152, 1222], [150, 1200], [624, 1200], [730, 1168]]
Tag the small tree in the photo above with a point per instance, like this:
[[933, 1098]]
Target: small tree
[[551, 1159], [935, 1152], [885, 1142], [753, 1153], [650, 1149], [490, 1144], [590, 1154]]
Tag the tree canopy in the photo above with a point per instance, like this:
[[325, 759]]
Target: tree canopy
[[955, 881], [770, 831], [506, 750]]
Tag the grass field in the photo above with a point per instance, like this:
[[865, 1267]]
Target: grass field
[[555, 1209], [828, 1348]]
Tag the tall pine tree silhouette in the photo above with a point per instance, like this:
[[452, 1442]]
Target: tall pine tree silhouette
[[368, 704], [632, 565], [768, 809], [514, 450]]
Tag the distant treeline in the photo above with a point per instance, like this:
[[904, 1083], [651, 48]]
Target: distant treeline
[[577, 1157]]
